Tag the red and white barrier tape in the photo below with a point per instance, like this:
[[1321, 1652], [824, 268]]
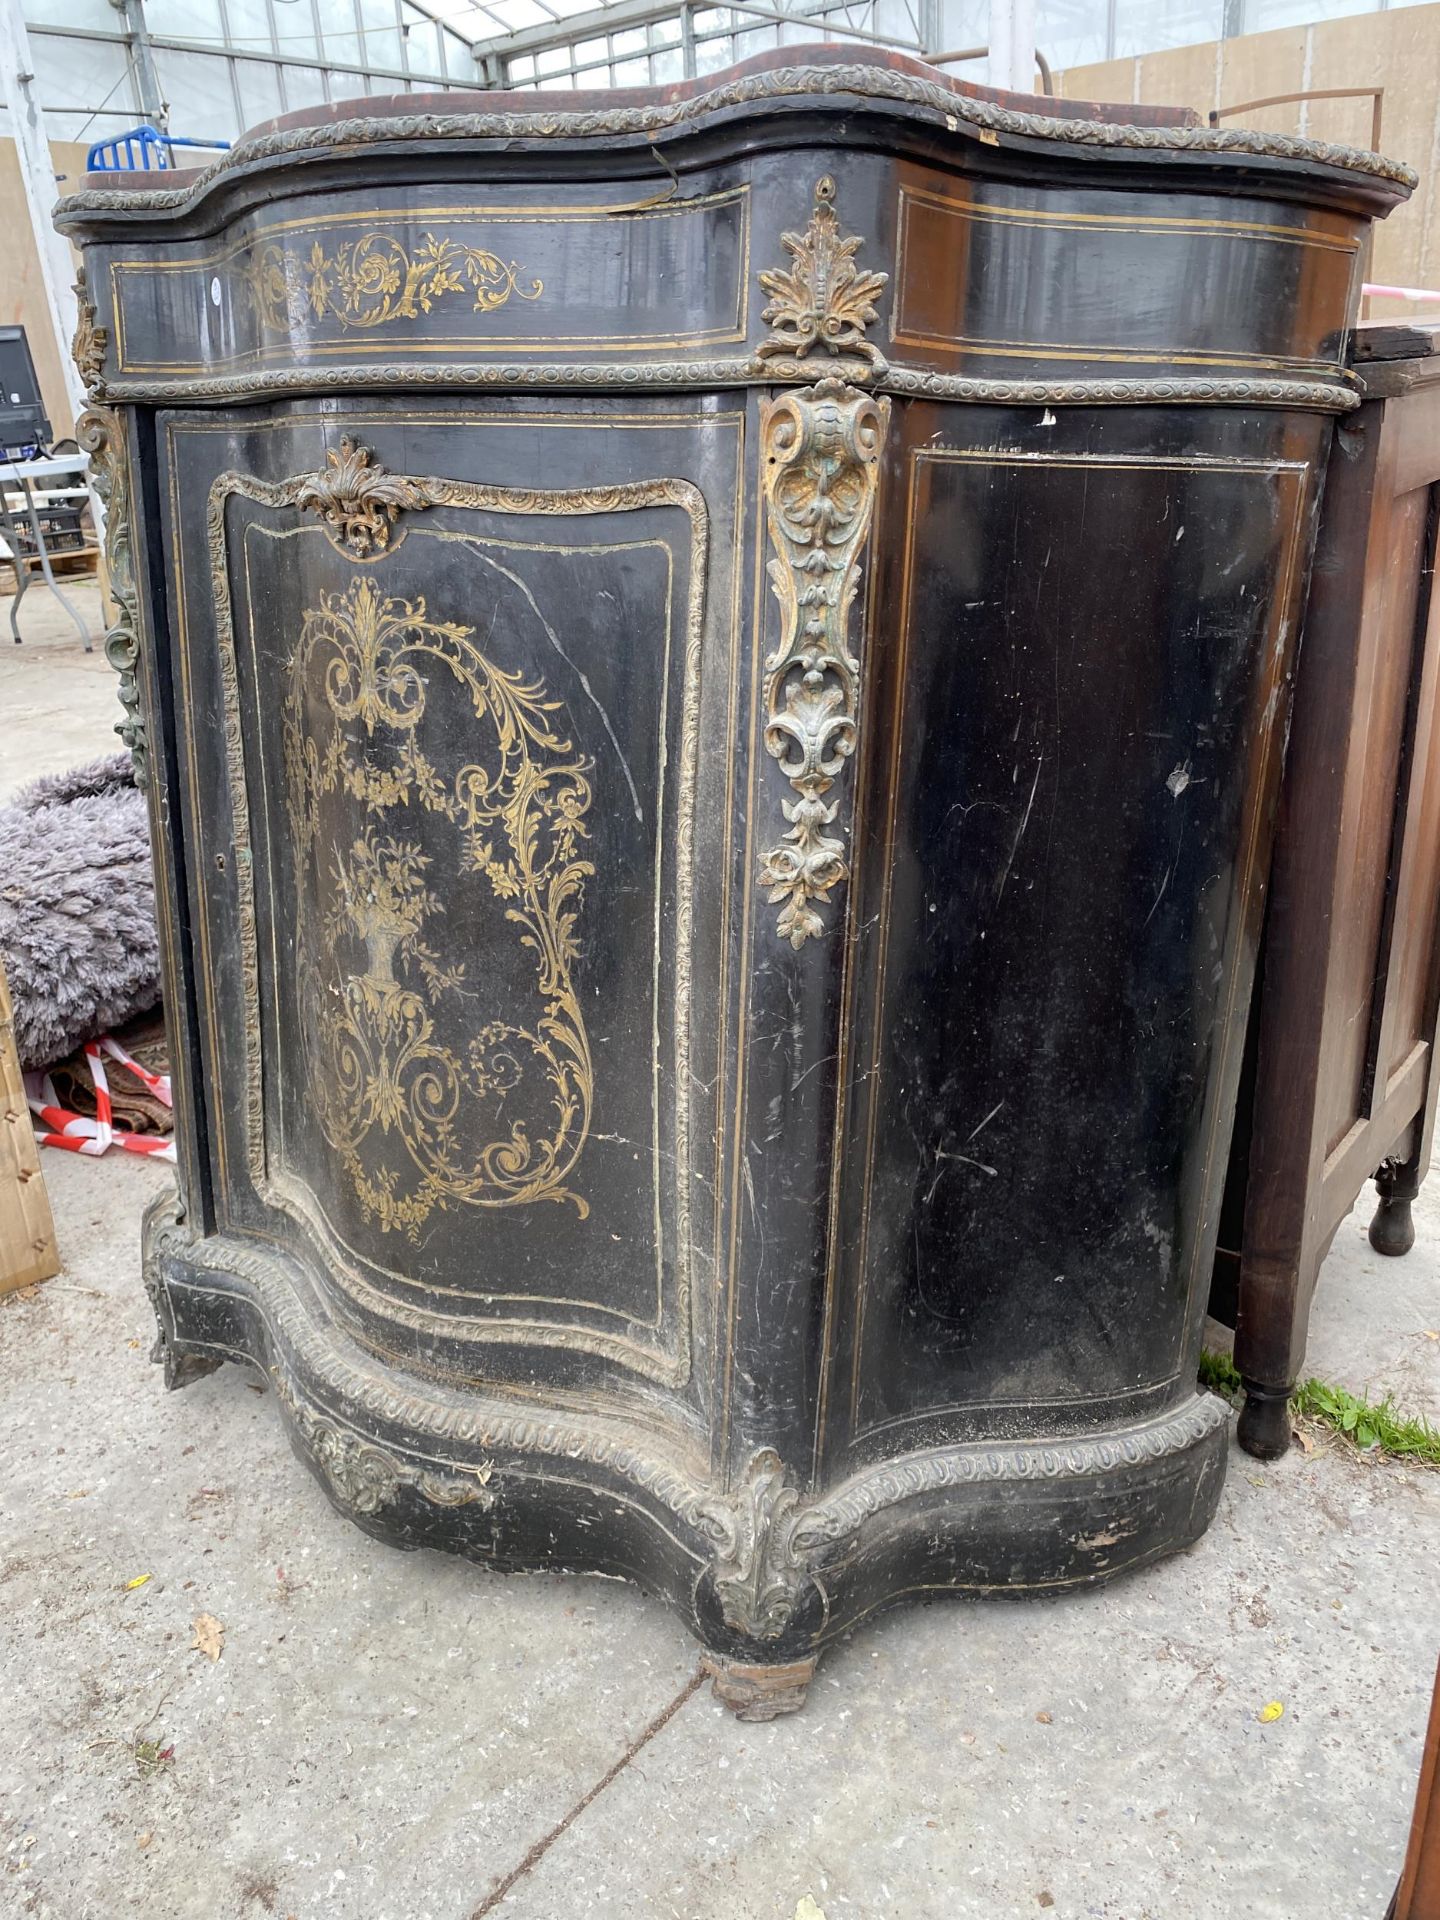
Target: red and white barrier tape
[[78, 1132], [1375, 288]]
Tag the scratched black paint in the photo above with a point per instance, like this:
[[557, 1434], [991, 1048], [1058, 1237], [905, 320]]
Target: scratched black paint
[[885, 1276]]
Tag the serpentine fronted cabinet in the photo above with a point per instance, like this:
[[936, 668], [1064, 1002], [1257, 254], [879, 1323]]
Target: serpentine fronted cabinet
[[713, 665]]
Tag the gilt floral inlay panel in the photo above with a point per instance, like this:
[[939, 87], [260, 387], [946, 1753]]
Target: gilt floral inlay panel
[[373, 280], [427, 1111]]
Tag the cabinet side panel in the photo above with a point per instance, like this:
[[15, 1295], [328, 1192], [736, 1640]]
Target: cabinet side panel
[[1082, 712]]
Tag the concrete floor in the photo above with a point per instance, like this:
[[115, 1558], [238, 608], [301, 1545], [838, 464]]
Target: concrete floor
[[400, 1737], [57, 702]]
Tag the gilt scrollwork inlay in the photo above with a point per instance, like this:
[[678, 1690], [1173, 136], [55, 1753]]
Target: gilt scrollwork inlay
[[371, 979], [821, 449], [823, 300], [369, 282]]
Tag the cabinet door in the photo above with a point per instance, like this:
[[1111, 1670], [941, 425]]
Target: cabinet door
[[440, 722]]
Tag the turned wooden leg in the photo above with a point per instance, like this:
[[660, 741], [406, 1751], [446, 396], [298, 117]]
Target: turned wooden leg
[[759, 1692], [1264, 1428], [1392, 1231]]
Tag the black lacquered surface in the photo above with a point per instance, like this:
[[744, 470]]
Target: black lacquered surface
[[1089, 626], [713, 811]]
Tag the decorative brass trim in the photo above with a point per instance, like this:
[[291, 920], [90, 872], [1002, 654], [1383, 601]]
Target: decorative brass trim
[[765, 1542], [358, 500], [822, 452], [373, 280], [1302, 395], [365, 1477], [101, 434], [837, 1515], [864, 81], [224, 1266], [824, 300], [669, 376], [90, 343]]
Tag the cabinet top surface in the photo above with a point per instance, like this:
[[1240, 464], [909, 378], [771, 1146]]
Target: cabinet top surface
[[870, 98]]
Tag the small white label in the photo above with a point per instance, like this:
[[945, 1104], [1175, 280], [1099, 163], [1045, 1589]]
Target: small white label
[[215, 291]]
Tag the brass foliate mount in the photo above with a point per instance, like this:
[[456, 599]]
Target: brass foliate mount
[[359, 501], [822, 453], [90, 343], [821, 448], [100, 432], [823, 301]]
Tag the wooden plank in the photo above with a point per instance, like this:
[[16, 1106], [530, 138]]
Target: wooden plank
[[1393, 340], [1418, 1895], [27, 1232]]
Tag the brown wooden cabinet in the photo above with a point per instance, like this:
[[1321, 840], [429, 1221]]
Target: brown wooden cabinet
[[1418, 1895], [1340, 1082]]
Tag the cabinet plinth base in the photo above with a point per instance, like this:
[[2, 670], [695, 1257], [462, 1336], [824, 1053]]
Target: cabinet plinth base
[[765, 1573]]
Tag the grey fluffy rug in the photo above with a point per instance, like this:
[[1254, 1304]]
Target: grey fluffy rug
[[77, 908]]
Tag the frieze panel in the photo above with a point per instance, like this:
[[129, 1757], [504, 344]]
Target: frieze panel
[[394, 275]]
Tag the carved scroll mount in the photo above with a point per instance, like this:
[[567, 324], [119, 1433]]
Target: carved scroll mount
[[365, 1477], [359, 501], [822, 449], [101, 434], [760, 1573], [90, 343], [823, 300]]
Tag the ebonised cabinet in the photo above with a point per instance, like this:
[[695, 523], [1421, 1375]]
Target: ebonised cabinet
[[713, 665]]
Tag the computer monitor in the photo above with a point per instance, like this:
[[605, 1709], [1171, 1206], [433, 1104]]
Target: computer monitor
[[22, 411]]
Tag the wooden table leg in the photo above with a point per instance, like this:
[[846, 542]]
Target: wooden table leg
[[1397, 1182]]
